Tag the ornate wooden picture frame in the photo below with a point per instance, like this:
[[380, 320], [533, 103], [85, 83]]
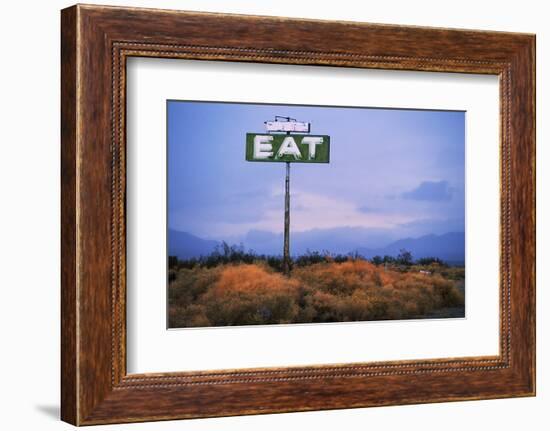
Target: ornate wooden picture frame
[[96, 41]]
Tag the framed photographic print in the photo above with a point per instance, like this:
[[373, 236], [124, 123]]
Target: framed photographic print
[[265, 215], [231, 258]]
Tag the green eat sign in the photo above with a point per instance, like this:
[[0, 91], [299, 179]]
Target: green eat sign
[[262, 147]]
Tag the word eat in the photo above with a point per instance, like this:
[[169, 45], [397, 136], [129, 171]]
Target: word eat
[[261, 147]]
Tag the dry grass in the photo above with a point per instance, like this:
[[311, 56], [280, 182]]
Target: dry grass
[[356, 290]]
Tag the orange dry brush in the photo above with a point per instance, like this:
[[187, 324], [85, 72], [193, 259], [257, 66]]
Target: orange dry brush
[[252, 279], [355, 290]]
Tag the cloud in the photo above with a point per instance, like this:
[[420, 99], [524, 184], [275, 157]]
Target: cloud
[[308, 211], [323, 211], [434, 191], [436, 226], [365, 209]]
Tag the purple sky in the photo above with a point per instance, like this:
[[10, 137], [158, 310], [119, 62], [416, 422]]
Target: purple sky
[[393, 173]]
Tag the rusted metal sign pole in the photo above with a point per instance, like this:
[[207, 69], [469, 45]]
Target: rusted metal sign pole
[[286, 243], [286, 248]]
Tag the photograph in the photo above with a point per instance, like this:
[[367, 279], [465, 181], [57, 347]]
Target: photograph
[[300, 214]]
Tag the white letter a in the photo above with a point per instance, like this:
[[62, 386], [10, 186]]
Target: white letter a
[[289, 147]]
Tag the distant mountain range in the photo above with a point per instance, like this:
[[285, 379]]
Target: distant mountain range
[[340, 240], [185, 246], [449, 247]]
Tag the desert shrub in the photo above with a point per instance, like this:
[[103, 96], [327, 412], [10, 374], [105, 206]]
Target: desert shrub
[[310, 258], [447, 292], [325, 291], [377, 260], [274, 262], [173, 262], [192, 283], [355, 307], [427, 261], [337, 278], [225, 253], [172, 274], [192, 315], [404, 257], [251, 294], [453, 273]]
